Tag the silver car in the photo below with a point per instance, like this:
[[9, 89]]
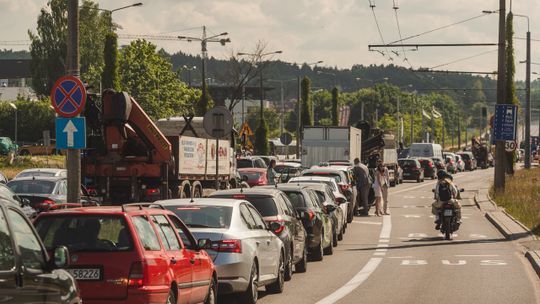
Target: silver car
[[331, 182], [327, 198], [246, 253], [42, 172]]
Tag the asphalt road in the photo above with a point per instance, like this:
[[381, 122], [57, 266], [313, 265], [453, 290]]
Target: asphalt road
[[401, 258]]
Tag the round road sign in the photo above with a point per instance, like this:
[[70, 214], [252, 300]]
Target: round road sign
[[286, 138], [68, 96], [218, 122], [510, 145]]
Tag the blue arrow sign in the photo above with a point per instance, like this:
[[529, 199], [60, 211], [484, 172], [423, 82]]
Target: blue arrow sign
[[505, 122], [71, 133]]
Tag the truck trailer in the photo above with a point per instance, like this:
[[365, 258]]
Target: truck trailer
[[323, 143]]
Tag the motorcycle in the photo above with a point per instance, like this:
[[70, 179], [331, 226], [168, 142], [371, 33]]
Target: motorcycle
[[449, 223]]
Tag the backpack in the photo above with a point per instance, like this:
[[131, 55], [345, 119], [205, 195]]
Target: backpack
[[445, 193]]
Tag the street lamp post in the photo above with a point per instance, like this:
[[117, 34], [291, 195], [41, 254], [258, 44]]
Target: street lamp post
[[204, 50], [185, 67], [15, 110]]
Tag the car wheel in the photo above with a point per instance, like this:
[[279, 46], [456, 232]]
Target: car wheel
[[302, 265], [335, 238], [277, 285], [341, 232], [289, 266], [251, 295], [317, 253], [418, 179], [330, 249], [211, 297], [171, 299], [350, 216]]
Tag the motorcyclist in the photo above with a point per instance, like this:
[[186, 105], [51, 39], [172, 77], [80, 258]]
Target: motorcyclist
[[445, 181]]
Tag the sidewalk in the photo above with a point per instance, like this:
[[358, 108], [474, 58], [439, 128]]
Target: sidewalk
[[511, 228]]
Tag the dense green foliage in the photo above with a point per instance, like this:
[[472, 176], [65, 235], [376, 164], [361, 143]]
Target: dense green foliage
[[261, 139], [335, 114], [49, 50], [109, 77], [149, 78], [307, 103], [32, 118]]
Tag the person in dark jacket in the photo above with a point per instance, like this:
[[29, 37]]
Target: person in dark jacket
[[363, 184]]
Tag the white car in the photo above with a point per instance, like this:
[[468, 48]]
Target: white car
[[45, 172], [328, 181], [459, 163]]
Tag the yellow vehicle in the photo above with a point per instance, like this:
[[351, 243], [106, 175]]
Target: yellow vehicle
[[39, 149]]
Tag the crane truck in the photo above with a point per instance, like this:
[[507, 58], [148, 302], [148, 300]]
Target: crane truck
[[130, 159]]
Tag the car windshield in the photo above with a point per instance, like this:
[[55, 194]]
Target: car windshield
[[335, 176], [200, 216], [244, 163], [296, 198], [264, 204], [329, 183], [32, 186], [407, 163], [93, 233], [35, 173]]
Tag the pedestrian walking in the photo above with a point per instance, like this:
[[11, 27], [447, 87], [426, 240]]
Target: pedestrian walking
[[271, 173], [380, 186], [363, 184]]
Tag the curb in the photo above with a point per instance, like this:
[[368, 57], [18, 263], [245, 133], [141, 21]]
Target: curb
[[534, 259]]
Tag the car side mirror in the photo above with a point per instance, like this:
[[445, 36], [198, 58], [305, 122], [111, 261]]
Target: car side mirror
[[330, 208], [60, 257], [273, 226], [341, 200], [204, 244]]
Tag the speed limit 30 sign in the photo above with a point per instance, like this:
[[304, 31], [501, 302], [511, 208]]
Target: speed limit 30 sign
[[510, 145]]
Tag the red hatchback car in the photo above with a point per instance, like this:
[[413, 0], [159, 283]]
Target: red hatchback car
[[131, 254]]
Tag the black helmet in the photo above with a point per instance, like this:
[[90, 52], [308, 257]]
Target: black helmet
[[441, 174]]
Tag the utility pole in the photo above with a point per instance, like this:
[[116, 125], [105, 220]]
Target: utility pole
[[73, 161], [458, 131], [398, 122], [501, 96], [528, 103], [412, 117], [299, 114]]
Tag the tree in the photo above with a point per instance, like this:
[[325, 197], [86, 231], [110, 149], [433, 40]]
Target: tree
[[261, 138], [49, 50], [33, 118], [204, 103], [109, 78], [335, 114], [148, 77], [307, 105]]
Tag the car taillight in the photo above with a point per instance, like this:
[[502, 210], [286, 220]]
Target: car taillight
[[152, 191], [46, 204], [280, 228], [311, 215], [136, 275], [430, 164], [344, 187], [232, 246]]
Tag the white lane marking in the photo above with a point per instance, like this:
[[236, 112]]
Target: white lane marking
[[476, 255], [367, 223], [379, 253], [356, 281], [459, 263], [417, 235], [403, 257], [386, 228], [493, 263], [365, 272], [412, 216], [414, 262], [477, 236], [413, 188], [384, 241], [405, 196], [383, 245]]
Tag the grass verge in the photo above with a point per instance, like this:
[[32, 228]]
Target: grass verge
[[25, 162], [521, 198]]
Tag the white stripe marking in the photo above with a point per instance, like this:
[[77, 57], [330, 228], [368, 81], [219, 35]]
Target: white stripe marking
[[477, 255], [356, 281], [365, 272], [368, 223], [379, 253]]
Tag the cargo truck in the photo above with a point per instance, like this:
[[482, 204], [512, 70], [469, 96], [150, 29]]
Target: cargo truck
[[131, 159], [323, 143]]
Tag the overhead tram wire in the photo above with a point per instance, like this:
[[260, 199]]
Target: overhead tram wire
[[462, 59], [187, 29], [438, 28], [372, 6], [396, 7]]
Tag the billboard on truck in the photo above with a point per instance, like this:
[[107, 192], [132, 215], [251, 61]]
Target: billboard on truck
[[192, 155], [224, 157]]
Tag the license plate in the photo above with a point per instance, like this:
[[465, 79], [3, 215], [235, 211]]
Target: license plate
[[448, 213], [86, 274], [406, 174]]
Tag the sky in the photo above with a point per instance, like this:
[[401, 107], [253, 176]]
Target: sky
[[335, 31]]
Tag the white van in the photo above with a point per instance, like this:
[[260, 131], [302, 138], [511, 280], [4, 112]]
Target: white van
[[425, 150]]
